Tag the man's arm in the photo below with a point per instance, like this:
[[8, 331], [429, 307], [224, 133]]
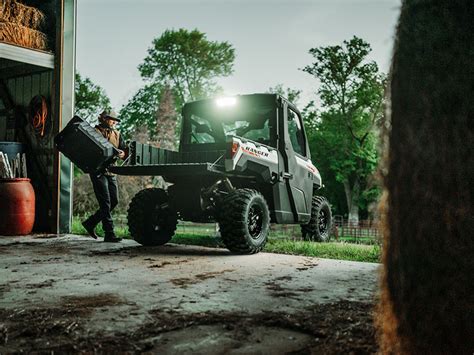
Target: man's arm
[[122, 145], [123, 148]]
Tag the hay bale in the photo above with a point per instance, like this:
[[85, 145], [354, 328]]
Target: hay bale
[[427, 303], [20, 24], [23, 36], [18, 13], [6, 8]]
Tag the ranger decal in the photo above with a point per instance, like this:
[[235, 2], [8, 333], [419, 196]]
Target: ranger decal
[[255, 152]]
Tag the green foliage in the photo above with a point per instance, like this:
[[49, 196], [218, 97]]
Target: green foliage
[[166, 121], [291, 94], [343, 135], [151, 116], [140, 110], [85, 202], [189, 62], [348, 83], [90, 99]]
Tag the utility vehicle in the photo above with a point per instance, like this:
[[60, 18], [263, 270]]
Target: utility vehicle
[[243, 162]]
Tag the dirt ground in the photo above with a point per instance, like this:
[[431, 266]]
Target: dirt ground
[[75, 294]]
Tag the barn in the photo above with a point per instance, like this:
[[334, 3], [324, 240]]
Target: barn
[[37, 67]]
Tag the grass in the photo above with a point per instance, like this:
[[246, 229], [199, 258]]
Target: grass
[[77, 228], [201, 240], [339, 251], [333, 250]]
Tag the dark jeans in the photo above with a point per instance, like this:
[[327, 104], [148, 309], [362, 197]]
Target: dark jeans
[[106, 192]]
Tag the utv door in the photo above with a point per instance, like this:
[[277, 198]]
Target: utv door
[[297, 175]]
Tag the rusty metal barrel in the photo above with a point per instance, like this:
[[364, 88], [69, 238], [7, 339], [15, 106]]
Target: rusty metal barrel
[[17, 206]]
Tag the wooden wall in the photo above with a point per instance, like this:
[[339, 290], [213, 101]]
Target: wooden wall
[[15, 125]]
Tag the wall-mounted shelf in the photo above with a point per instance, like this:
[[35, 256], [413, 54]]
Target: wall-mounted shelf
[[18, 61], [25, 55]]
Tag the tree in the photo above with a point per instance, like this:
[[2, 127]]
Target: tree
[[189, 62], [166, 120], [151, 115], [90, 99], [185, 62], [336, 154], [291, 94], [351, 93], [140, 111]]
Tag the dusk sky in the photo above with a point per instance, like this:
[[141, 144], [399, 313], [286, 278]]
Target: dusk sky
[[271, 37]]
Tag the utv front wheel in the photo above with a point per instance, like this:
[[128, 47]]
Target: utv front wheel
[[319, 227], [151, 221], [244, 221]]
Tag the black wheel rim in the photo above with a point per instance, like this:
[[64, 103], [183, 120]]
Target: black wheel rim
[[322, 222], [159, 219], [255, 221]]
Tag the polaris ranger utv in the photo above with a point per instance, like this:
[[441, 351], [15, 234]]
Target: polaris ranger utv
[[243, 162]]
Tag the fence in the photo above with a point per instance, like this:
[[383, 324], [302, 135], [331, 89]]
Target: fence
[[364, 232]]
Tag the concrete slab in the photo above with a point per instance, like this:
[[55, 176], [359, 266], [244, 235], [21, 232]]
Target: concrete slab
[[107, 291]]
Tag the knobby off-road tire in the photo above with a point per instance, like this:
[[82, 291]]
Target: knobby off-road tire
[[244, 221], [150, 219], [319, 227]]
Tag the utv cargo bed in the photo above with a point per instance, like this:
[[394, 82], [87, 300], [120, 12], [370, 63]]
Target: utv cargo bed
[[176, 169], [148, 160]]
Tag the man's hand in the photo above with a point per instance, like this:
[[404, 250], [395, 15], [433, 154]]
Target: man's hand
[[121, 154]]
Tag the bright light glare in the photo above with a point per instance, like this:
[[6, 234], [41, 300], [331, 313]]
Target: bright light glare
[[226, 101]]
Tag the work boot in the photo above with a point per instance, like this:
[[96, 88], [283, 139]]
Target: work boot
[[111, 238], [89, 227]]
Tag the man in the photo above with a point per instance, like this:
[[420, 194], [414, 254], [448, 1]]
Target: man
[[105, 184]]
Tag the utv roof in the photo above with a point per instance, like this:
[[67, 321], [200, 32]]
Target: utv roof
[[262, 97], [257, 96]]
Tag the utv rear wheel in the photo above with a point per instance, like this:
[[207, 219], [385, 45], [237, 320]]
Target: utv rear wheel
[[151, 221], [319, 227], [244, 221]]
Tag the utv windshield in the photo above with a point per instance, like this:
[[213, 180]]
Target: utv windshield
[[212, 121]]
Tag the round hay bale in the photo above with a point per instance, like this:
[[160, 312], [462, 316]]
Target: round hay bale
[[28, 16], [7, 7], [15, 12], [426, 303], [22, 36]]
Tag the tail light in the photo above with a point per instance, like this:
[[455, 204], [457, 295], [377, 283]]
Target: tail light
[[234, 148]]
